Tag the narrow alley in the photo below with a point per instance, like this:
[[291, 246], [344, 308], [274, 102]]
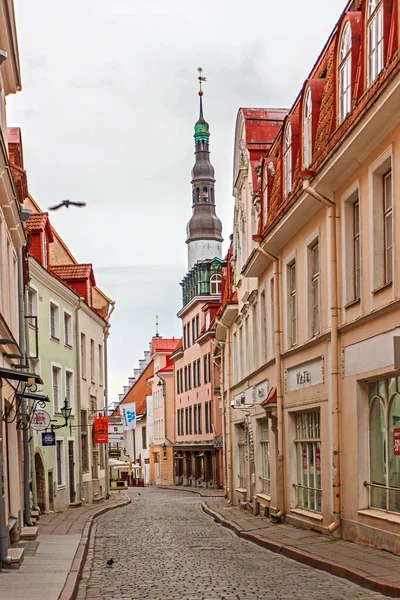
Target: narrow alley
[[164, 547]]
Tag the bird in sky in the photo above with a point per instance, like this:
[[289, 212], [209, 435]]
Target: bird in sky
[[67, 204]]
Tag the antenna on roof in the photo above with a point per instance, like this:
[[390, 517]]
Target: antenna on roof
[[157, 334]]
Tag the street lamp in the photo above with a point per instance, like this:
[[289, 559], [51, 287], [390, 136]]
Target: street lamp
[[66, 413]]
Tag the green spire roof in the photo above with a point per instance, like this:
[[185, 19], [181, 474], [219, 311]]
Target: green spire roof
[[201, 129]]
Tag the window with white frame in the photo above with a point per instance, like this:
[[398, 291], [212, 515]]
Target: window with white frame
[[307, 130], [241, 432], [292, 303], [67, 329], [382, 220], [32, 305], [265, 477], [351, 248], [375, 39], [69, 388], [308, 460], [57, 391], [101, 369], [272, 315], [314, 296], [83, 355], [54, 321], [92, 362], [384, 444], [215, 284], [254, 327], [356, 250], [265, 196], [263, 327], [287, 162], [60, 458], [345, 73]]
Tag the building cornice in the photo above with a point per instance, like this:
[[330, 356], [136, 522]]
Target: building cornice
[[54, 284]]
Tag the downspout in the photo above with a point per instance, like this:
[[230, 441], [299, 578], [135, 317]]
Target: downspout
[[279, 387], [221, 376], [336, 481], [4, 557], [106, 332], [227, 413], [24, 407], [79, 402]]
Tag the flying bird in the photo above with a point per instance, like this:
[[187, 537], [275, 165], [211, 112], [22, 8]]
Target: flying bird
[[110, 563], [67, 204]]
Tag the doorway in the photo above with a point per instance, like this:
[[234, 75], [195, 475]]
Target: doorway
[[71, 471], [51, 490], [40, 482]]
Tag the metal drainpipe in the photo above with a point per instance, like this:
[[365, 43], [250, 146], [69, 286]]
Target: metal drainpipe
[[336, 480], [279, 378], [106, 463], [22, 343], [217, 345], [4, 557], [79, 402], [227, 413]]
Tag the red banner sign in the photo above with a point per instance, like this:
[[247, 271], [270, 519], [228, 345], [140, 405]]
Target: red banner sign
[[101, 430], [396, 441]]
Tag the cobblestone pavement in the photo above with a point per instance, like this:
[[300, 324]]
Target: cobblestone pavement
[[165, 548]]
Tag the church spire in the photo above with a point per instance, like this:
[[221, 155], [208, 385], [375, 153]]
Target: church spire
[[204, 228]]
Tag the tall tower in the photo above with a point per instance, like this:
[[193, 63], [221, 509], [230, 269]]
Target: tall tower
[[204, 228]]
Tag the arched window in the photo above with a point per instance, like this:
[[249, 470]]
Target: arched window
[[307, 130], [205, 195], [394, 453], [345, 73], [287, 162], [375, 39], [377, 453], [215, 284]]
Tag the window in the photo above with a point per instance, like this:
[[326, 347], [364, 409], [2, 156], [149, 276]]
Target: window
[[195, 418], [315, 288], [32, 305], [198, 372], [179, 421], [186, 420], [272, 304], [60, 463], [210, 421], [375, 39], [287, 162], [345, 73], [84, 441], [292, 321], [181, 380], [190, 420], [356, 250], [188, 335], [307, 130], [197, 326], [200, 427], [308, 461], [263, 328], [209, 366], [92, 369], [69, 388], [388, 225], [351, 247], [184, 338], [206, 415], [242, 451], [54, 321], [215, 284], [194, 374], [265, 477], [101, 372], [67, 329], [265, 196], [83, 355], [144, 438], [205, 368], [254, 327], [178, 388], [193, 329], [384, 444], [190, 377], [56, 383], [186, 380]]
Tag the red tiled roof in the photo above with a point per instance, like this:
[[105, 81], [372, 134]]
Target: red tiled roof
[[159, 344], [169, 367], [14, 135], [139, 391], [74, 272], [178, 345], [37, 222]]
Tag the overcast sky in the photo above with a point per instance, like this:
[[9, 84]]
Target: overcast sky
[[107, 111]]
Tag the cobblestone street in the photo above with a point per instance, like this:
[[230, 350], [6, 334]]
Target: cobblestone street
[[165, 548]]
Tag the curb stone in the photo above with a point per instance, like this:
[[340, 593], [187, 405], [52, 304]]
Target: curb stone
[[354, 575], [70, 588]]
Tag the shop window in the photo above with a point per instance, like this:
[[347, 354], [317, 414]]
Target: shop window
[[308, 461], [384, 444]]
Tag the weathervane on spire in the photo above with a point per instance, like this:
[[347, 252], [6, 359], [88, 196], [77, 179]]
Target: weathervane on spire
[[157, 334], [201, 80]]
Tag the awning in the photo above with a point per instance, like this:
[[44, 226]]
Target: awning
[[270, 399], [18, 376]]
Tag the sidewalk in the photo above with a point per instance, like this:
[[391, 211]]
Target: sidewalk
[[53, 562], [374, 569]]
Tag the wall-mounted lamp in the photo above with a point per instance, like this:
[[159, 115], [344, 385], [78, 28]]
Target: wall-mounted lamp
[[66, 413]]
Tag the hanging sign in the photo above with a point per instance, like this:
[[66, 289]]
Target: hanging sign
[[48, 438], [101, 430], [40, 420], [396, 441], [128, 415]]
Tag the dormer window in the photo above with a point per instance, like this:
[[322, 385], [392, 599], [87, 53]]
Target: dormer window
[[215, 284], [287, 162], [307, 130], [375, 39], [345, 74], [265, 195]]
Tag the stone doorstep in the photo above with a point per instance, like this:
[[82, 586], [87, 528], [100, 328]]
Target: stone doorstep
[[17, 556], [35, 514], [98, 499], [29, 533], [75, 504]]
